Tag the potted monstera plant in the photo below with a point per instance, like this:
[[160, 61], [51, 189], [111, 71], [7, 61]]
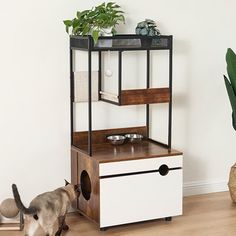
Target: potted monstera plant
[[231, 90], [98, 21]]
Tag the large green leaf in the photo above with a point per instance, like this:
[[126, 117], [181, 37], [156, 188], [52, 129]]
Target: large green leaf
[[86, 29], [67, 23], [231, 94], [231, 67], [95, 36]]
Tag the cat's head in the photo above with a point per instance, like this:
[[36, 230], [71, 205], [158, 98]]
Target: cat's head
[[75, 190]]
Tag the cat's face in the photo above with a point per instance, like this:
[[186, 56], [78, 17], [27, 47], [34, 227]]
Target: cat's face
[[75, 188]]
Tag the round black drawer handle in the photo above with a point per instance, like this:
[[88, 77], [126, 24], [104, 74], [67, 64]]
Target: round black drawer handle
[[163, 170]]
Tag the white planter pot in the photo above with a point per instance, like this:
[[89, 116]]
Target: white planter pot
[[106, 31], [105, 43]]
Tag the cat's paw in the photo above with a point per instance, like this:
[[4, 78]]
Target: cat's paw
[[65, 227]]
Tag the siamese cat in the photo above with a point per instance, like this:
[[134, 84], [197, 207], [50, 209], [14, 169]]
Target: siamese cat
[[47, 208]]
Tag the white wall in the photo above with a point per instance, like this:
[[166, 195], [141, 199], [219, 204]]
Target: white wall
[[34, 89]]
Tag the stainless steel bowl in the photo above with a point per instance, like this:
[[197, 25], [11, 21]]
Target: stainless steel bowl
[[116, 139], [134, 138]]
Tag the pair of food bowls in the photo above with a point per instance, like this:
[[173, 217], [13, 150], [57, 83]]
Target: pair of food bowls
[[120, 139]]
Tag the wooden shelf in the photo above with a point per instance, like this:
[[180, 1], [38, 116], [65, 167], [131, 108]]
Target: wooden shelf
[[106, 152], [138, 96], [99, 136], [145, 96]]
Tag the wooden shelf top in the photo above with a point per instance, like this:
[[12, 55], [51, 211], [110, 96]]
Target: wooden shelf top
[[106, 152]]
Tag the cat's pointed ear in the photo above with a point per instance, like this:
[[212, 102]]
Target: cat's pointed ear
[[66, 182]]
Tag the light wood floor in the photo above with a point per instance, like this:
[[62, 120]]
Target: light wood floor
[[204, 215]]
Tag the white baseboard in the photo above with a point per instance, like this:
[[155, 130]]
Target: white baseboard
[[203, 187]]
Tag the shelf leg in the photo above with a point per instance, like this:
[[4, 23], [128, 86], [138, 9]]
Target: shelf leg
[[170, 103], [148, 86], [90, 99]]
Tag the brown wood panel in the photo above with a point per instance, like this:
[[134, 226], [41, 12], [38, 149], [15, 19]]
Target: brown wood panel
[[89, 207], [74, 172], [99, 136], [106, 152], [145, 96]]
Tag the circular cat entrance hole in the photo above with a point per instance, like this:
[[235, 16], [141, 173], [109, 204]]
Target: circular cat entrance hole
[[85, 184]]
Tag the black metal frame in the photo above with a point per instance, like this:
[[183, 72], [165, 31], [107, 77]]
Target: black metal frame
[[87, 44]]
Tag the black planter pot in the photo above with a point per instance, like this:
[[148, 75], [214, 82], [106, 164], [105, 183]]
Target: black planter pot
[[146, 41]]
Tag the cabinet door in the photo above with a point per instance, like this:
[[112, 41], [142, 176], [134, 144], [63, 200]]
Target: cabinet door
[[140, 197]]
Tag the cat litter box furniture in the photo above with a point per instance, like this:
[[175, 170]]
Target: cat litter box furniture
[[131, 182]]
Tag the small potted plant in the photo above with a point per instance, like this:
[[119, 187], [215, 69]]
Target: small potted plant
[[98, 21], [147, 28]]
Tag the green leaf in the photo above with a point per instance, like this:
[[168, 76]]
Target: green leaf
[[103, 5], [75, 23], [75, 30], [95, 36], [67, 22], [116, 6], [67, 29], [231, 67], [86, 30], [231, 94], [82, 13], [122, 18], [110, 4], [114, 31], [119, 12]]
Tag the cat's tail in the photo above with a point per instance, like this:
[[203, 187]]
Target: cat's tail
[[20, 205]]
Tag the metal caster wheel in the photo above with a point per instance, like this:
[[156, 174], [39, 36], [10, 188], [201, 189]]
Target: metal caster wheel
[[168, 219], [103, 229]]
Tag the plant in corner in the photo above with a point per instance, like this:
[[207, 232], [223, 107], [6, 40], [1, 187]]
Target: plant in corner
[[100, 20], [231, 82], [231, 90]]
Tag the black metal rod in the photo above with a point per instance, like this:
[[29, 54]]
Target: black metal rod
[[170, 87], [148, 86], [71, 96], [119, 76], [99, 74], [90, 98]]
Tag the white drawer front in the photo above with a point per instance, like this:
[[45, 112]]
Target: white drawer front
[[140, 197], [122, 167]]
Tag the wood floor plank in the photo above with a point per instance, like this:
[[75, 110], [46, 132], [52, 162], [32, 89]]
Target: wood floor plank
[[204, 215]]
